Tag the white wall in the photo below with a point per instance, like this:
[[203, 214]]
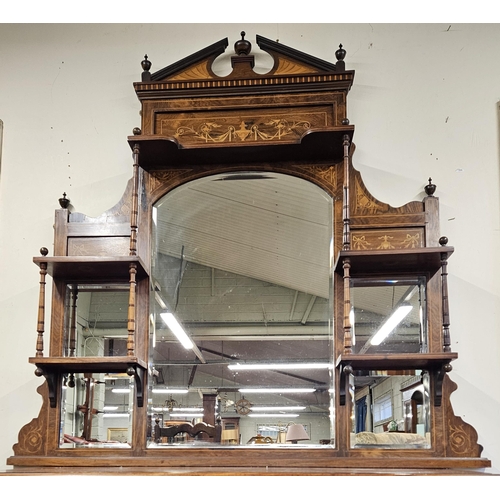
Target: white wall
[[424, 103]]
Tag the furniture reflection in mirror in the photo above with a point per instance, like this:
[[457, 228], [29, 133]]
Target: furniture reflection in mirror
[[230, 430], [296, 433], [171, 430], [93, 404], [383, 406]]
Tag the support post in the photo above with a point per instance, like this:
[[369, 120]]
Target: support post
[[131, 310], [444, 293], [40, 328], [72, 331], [346, 212], [347, 307], [134, 215]]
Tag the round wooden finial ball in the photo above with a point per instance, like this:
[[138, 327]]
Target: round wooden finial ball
[[130, 371], [443, 241], [44, 251], [137, 131]]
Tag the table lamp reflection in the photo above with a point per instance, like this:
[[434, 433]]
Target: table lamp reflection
[[296, 432]]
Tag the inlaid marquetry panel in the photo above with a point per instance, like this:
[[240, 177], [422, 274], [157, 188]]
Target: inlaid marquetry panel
[[243, 127], [387, 239], [288, 66], [462, 437], [197, 72], [32, 437]]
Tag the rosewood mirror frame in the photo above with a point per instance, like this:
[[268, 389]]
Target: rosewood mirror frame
[[292, 120]]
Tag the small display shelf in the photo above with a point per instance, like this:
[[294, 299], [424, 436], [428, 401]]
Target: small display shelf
[[52, 369], [160, 152], [91, 268], [437, 364], [422, 361], [383, 262]]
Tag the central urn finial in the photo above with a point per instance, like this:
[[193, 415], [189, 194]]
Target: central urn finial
[[242, 47]]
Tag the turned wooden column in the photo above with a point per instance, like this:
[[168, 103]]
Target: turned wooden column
[[347, 307], [346, 243], [134, 216], [444, 294], [131, 311], [72, 331], [134, 212], [40, 328]]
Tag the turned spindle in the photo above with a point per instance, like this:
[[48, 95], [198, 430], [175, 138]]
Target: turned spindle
[[134, 214], [346, 215], [72, 331], [40, 328], [444, 291], [131, 311], [347, 308]]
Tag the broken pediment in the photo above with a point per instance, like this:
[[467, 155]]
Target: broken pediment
[[287, 62]]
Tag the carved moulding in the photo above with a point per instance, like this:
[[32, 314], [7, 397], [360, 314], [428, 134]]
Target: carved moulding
[[160, 181]]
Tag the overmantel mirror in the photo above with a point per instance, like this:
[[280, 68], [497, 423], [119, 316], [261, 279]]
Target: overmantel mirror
[[247, 305], [242, 263]]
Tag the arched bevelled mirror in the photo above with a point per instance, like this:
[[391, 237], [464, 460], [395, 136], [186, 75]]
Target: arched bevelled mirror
[[242, 267]]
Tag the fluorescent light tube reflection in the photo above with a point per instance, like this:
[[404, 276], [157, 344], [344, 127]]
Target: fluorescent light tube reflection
[[273, 415], [170, 391], [397, 316], [120, 391], [189, 415], [177, 330], [282, 390], [116, 415], [278, 408], [279, 366]]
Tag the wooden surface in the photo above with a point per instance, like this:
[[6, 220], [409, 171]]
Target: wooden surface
[[240, 471]]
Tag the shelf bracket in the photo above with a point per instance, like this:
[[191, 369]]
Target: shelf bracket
[[345, 372], [438, 377], [52, 379], [140, 379]]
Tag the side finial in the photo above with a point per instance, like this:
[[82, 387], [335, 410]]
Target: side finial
[[146, 66], [443, 241], [340, 53], [430, 188], [242, 47], [64, 202], [146, 63], [44, 251]]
